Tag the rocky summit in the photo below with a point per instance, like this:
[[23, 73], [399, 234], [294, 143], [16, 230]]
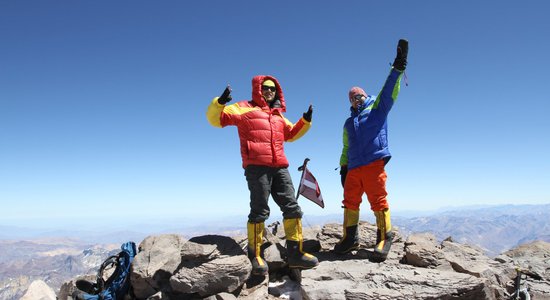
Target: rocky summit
[[419, 267]]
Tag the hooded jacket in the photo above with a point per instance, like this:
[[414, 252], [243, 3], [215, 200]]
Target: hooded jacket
[[262, 129], [366, 130]]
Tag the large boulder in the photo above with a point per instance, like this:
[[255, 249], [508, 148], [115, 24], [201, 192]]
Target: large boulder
[[201, 267], [422, 250], [533, 259]]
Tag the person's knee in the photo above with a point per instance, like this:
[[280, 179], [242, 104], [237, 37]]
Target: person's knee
[[294, 212], [351, 204], [258, 218], [258, 213], [379, 204]]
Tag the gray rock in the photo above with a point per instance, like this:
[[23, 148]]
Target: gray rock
[[465, 258], [360, 279], [533, 257], [225, 296], [274, 255], [422, 250], [223, 274], [534, 261], [157, 259], [67, 288], [256, 287], [203, 266], [39, 290]]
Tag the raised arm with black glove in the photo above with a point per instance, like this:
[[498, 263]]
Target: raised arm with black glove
[[226, 96], [400, 62], [307, 114]]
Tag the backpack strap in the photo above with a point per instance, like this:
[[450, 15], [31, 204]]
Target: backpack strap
[[109, 262]]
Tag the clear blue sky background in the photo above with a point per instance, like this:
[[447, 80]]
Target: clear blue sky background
[[102, 103]]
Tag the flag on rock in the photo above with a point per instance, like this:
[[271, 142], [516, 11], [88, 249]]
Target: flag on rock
[[309, 187]]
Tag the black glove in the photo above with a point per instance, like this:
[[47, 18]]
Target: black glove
[[226, 96], [343, 174], [400, 62], [307, 114]]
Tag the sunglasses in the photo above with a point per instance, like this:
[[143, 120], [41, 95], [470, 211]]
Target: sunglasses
[[271, 88], [358, 97]]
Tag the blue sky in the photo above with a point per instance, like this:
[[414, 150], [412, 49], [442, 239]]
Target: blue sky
[[102, 103]]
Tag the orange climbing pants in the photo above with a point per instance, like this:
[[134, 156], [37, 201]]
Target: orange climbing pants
[[369, 179]]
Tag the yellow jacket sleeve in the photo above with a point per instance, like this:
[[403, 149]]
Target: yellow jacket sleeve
[[214, 112], [296, 131]]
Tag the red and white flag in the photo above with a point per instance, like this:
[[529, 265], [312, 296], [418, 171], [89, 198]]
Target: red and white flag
[[309, 187]]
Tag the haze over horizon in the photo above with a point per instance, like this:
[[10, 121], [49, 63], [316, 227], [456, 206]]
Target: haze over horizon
[[213, 224]]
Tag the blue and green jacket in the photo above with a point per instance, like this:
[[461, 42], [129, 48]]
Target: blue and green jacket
[[366, 131]]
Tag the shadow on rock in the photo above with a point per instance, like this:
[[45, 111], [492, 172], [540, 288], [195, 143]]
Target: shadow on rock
[[224, 244]]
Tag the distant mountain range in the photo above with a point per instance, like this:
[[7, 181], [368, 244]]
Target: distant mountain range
[[495, 229]]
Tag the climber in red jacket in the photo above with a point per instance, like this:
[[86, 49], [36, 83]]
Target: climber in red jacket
[[262, 132]]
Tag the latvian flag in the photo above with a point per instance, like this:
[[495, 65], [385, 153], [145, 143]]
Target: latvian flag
[[309, 188]]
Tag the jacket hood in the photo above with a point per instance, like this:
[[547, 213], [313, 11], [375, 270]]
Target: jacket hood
[[257, 91]]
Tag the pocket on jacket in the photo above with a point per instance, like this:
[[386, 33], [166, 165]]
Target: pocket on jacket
[[252, 149]]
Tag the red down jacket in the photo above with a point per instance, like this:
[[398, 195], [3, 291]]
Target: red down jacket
[[262, 130]]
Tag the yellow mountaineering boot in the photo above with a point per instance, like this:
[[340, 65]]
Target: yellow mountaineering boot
[[255, 237], [297, 258], [350, 238], [384, 235]]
